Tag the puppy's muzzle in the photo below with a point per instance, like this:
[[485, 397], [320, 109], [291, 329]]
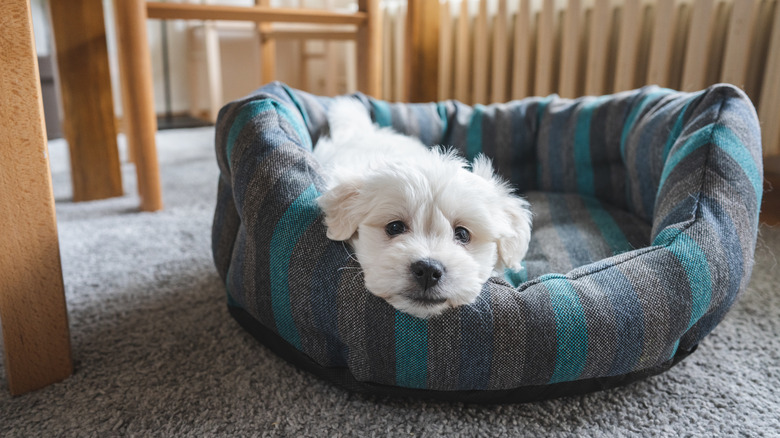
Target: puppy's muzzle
[[427, 273]]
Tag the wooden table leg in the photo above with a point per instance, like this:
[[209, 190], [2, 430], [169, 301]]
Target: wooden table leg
[[88, 106], [32, 298], [135, 75]]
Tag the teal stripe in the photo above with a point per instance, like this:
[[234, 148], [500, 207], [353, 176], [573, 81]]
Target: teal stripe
[[292, 118], [516, 278], [441, 108], [694, 261], [678, 126], [582, 158], [298, 103], [727, 141], [696, 140], [252, 109], [411, 351], [474, 134], [245, 114], [295, 221], [571, 329], [697, 268], [674, 349], [632, 116], [606, 224], [382, 114], [666, 236], [230, 300]]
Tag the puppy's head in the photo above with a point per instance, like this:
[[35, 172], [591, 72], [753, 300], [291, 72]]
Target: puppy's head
[[428, 233]]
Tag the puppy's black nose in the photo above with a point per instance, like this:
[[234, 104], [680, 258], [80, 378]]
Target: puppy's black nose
[[427, 272]]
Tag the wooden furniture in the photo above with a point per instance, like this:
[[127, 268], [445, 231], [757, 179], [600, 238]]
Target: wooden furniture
[[89, 125], [209, 90], [135, 68], [32, 298], [140, 120]]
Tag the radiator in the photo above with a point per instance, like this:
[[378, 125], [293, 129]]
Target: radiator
[[498, 50]]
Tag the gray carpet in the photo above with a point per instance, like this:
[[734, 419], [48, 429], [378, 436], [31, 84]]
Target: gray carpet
[[156, 353]]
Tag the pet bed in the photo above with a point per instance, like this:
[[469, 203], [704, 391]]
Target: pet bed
[[645, 221]]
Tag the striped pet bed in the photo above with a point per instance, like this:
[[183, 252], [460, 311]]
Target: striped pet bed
[[645, 221]]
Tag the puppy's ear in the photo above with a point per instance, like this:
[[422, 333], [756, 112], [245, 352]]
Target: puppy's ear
[[514, 217], [483, 167], [342, 208], [513, 241]]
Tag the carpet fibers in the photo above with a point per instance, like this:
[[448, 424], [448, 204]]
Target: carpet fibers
[[156, 353]]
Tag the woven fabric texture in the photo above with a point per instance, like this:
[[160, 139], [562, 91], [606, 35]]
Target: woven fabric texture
[[645, 221]]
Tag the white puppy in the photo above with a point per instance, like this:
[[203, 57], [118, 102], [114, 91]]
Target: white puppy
[[427, 232]]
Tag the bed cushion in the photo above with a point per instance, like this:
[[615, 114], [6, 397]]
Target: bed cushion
[[645, 220]]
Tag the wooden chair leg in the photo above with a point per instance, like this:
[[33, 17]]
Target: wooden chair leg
[[135, 74], [213, 69], [267, 49], [32, 298], [88, 105], [370, 49]]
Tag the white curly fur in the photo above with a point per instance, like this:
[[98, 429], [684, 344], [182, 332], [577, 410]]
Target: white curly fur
[[377, 176]]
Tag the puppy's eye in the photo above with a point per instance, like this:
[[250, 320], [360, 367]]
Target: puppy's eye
[[395, 228], [462, 235]]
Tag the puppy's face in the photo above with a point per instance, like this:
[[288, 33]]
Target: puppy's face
[[429, 234]]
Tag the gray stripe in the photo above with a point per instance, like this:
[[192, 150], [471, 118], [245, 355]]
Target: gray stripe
[[566, 148], [497, 140], [351, 303], [546, 243], [510, 337], [459, 126], [491, 136], [636, 230], [444, 351], [303, 261], [608, 168], [237, 283], [602, 339], [315, 112], [538, 359], [593, 239], [543, 140], [225, 228], [379, 320], [667, 309], [681, 189]]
